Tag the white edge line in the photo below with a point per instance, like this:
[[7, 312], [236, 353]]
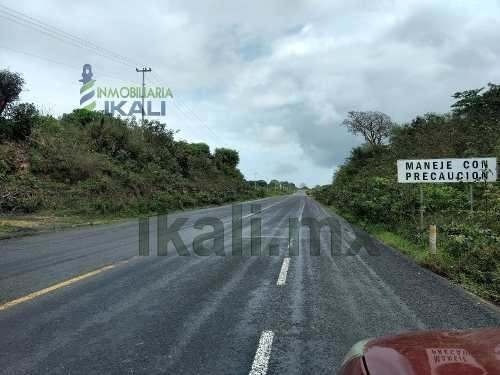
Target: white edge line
[[261, 359], [283, 272]]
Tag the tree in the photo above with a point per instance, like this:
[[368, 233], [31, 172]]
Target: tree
[[226, 158], [83, 117], [19, 121], [427, 136], [274, 184], [287, 186], [477, 113], [11, 85], [373, 125], [478, 104]]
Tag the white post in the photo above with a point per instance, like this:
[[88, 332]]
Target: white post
[[432, 238]]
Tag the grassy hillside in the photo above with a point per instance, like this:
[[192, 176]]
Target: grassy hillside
[[365, 190], [87, 164]]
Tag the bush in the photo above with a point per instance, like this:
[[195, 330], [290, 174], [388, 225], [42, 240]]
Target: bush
[[19, 122], [226, 159], [92, 163], [482, 266], [20, 194], [82, 117], [7, 159]]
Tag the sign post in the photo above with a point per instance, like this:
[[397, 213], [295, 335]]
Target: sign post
[[428, 171]]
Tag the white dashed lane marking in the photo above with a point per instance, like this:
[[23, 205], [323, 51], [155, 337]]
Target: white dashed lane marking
[[261, 359], [283, 272]]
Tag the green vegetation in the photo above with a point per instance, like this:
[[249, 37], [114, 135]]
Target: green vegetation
[[91, 166], [11, 85], [365, 191]]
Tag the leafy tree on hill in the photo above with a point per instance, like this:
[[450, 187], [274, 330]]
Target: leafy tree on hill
[[19, 121], [427, 136], [83, 117], [477, 112], [225, 157], [227, 160], [11, 85], [374, 126], [16, 119]]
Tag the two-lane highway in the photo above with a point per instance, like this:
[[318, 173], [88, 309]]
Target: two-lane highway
[[83, 301]]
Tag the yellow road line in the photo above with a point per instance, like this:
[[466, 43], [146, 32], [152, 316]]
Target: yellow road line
[[60, 285]]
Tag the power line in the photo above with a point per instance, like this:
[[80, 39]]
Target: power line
[[76, 41], [187, 120], [33, 22], [72, 67], [184, 108], [61, 35]]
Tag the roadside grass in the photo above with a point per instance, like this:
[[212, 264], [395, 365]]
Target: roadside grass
[[441, 263], [18, 225], [417, 252], [30, 224]]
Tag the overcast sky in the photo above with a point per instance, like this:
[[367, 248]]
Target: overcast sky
[[272, 79]]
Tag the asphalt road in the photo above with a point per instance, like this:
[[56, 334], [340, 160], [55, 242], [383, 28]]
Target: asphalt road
[[275, 314]]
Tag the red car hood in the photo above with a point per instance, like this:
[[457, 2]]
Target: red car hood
[[474, 352]]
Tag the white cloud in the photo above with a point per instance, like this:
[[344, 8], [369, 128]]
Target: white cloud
[[271, 79]]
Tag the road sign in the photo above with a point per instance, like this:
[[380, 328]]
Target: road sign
[[447, 170]]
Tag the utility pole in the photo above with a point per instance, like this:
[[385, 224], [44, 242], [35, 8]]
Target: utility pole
[[143, 70]]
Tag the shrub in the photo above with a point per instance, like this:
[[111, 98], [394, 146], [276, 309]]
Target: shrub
[[82, 117], [226, 159], [19, 122]]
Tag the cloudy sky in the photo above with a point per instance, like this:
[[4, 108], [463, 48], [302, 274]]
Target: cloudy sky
[[272, 79]]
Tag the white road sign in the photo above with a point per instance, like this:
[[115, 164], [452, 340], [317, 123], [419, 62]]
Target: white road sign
[[447, 170]]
